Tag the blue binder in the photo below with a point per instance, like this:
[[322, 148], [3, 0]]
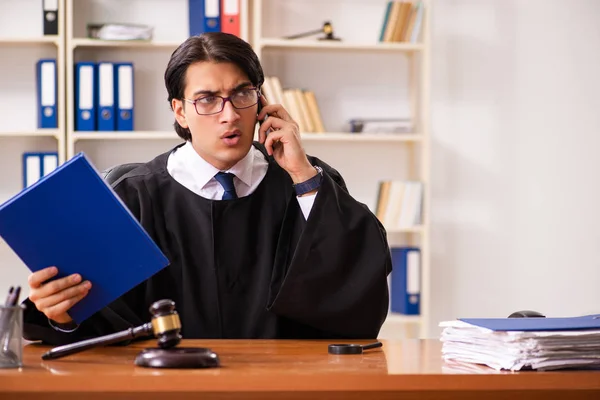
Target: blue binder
[[406, 280], [537, 324], [46, 93], [85, 98], [72, 219], [105, 96], [124, 95], [36, 165], [204, 16]]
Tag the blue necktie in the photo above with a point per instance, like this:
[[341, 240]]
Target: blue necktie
[[226, 180]]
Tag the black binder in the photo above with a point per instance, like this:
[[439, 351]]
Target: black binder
[[50, 8]]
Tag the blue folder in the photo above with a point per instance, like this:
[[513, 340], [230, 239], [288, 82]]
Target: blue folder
[[46, 93], [85, 97], [72, 219], [406, 280], [204, 16], [537, 324], [105, 96], [124, 95]]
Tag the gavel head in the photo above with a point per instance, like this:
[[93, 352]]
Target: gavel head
[[165, 323]]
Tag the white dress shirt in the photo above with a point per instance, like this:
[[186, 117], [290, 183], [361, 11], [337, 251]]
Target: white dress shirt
[[192, 171]]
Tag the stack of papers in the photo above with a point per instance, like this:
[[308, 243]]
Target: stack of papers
[[523, 343], [120, 31]]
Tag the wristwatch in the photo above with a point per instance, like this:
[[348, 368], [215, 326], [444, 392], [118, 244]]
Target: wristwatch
[[311, 184]]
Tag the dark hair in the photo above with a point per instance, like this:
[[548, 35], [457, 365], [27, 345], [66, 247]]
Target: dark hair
[[215, 47]]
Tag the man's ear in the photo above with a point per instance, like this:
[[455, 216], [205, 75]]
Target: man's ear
[[179, 112]]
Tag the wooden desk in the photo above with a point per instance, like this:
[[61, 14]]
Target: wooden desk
[[269, 369]]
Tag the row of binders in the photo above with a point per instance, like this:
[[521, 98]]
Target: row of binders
[[214, 16], [399, 204], [405, 281], [104, 96], [37, 165], [301, 104], [402, 21]]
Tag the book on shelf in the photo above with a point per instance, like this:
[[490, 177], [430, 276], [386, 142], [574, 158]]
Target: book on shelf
[[301, 104], [399, 204], [402, 21]]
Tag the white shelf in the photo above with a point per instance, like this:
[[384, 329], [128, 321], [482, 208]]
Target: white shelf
[[307, 137], [413, 229], [125, 135], [83, 42], [360, 137], [32, 41], [36, 133], [395, 318], [334, 45]]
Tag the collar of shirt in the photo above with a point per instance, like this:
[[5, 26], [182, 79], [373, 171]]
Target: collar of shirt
[[187, 167]]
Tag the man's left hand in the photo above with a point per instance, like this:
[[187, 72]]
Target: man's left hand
[[283, 141]]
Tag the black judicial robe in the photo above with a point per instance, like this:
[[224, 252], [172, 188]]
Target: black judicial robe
[[252, 267]]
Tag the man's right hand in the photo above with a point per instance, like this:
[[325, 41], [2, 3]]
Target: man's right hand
[[55, 297]]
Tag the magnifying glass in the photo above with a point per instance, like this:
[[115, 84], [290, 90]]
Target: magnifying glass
[[352, 348]]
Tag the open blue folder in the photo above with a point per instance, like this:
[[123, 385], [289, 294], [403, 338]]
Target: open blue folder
[[536, 324], [73, 220]]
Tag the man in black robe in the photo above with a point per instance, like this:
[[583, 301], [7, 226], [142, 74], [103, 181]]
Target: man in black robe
[[263, 240]]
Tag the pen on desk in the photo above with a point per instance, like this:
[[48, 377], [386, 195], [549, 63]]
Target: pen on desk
[[5, 319], [13, 297], [10, 290], [4, 314], [6, 324]]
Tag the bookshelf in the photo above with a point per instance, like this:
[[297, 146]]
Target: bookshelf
[[153, 119], [22, 44], [22, 41], [397, 156]]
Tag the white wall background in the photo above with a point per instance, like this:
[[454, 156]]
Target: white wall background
[[515, 131]]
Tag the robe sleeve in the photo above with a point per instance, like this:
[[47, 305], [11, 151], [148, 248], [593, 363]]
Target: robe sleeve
[[127, 311], [331, 271]]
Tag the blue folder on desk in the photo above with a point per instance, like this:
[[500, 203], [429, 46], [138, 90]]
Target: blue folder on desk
[[536, 324], [72, 219]]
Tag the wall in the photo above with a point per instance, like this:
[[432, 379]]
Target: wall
[[515, 219]]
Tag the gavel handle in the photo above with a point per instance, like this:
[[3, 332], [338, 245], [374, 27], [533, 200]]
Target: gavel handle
[[300, 35], [65, 350]]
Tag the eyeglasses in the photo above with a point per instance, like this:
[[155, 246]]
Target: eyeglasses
[[214, 104]]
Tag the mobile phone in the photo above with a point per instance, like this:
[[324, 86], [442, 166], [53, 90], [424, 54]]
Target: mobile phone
[[266, 116]]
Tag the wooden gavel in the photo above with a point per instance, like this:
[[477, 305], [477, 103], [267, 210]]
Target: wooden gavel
[[165, 326]]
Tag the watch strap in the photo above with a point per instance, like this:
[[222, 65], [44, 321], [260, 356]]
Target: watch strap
[[310, 184]]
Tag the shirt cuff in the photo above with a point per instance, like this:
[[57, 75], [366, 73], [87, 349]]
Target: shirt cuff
[[306, 203], [66, 328]]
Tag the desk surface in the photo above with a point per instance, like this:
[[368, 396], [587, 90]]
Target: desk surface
[[264, 369]]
